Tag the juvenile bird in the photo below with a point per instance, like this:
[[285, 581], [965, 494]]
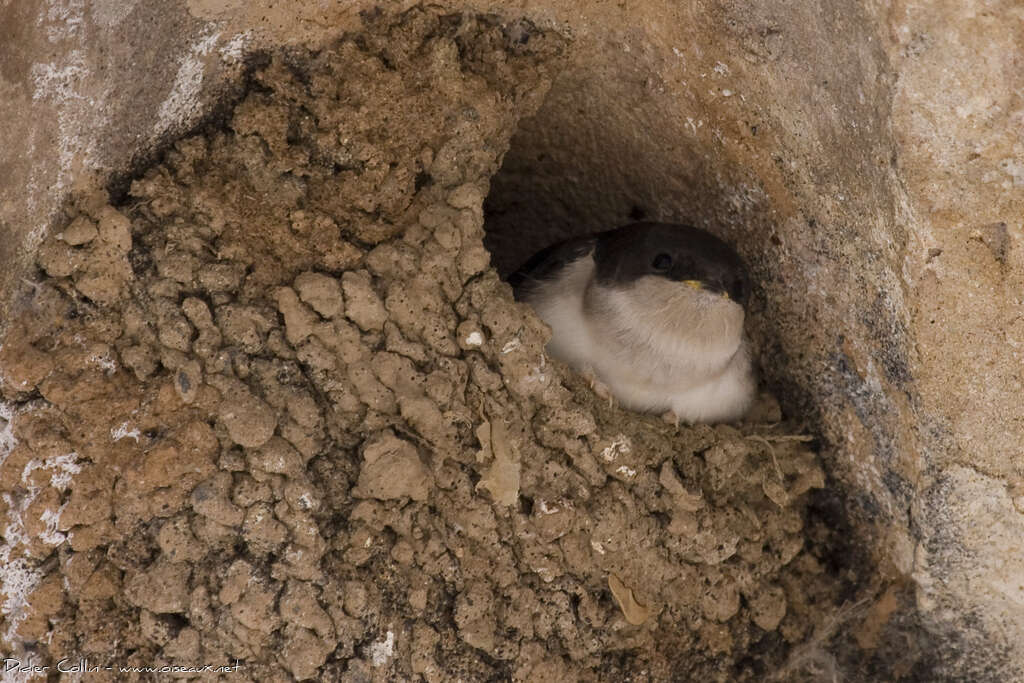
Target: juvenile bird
[[654, 312]]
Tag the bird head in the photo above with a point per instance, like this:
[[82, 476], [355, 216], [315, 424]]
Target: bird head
[[681, 255]]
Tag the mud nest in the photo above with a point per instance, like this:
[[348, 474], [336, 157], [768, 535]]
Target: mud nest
[[275, 407]]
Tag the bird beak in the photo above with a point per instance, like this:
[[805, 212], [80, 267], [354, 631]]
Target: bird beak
[[698, 285]]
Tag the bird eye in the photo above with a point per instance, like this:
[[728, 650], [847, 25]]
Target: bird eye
[[662, 262]]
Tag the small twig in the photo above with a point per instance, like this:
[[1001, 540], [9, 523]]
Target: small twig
[[804, 438], [814, 648]]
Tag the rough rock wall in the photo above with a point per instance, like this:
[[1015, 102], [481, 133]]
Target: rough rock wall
[[866, 162], [798, 174], [865, 158], [958, 104], [273, 407]]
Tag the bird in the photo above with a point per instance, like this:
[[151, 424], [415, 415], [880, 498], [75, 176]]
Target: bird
[[653, 314]]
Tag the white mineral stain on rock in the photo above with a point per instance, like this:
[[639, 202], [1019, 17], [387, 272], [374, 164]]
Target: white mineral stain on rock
[[184, 97], [234, 50], [64, 466], [620, 446], [18, 578], [474, 339], [18, 581], [545, 509], [122, 432], [63, 19], [104, 361], [383, 650], [110, 13], [7, 440], [60, 83], [51, 535], [511, 346]]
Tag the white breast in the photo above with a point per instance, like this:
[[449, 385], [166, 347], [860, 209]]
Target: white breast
[[657, 345]]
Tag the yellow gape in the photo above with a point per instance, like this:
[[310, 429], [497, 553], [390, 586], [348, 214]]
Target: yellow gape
[[696, 284]]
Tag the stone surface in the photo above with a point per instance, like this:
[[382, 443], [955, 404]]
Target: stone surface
[[866, 159], [391, 468]]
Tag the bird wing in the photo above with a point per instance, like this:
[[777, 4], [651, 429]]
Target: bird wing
[[547, 263]]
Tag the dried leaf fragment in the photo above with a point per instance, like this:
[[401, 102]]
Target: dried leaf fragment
[[634, 612], [502, 477]]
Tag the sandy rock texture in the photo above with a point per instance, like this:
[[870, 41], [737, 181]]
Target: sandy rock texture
[[233, 353]]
